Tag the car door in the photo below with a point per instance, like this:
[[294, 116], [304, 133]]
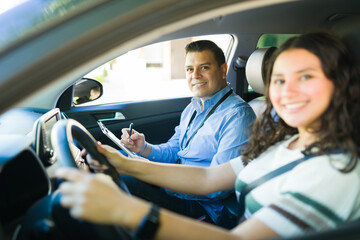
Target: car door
[[155, 118]]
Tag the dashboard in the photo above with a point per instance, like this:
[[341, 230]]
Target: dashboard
[[42, 130], [26, 160]]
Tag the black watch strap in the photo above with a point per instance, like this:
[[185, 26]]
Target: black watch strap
[[149, 224]]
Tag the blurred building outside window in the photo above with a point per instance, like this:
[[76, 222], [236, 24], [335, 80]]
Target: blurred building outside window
[[156, 71]]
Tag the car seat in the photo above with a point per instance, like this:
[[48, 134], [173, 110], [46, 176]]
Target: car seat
[[255, 75]]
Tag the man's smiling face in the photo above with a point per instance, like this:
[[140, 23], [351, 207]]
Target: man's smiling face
[[204, 75]]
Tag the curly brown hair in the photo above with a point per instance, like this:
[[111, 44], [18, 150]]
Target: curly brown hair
[[339, 124]]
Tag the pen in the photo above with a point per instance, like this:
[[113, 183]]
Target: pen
[[130, 130]]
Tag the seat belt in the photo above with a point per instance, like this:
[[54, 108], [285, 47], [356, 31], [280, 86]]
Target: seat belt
[[238, 207], [277, 172], [241, 82]]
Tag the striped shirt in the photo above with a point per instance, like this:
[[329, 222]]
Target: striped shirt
[[311, 197]]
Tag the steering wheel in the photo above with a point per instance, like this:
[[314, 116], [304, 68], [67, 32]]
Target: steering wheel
[[63, 134]]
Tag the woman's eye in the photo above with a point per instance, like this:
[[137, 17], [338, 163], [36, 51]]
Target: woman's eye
[[278, 81], [188, 69], [305, 77]]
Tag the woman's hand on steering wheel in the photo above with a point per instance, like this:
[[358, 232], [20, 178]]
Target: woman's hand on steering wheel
[[114, 157], [95, 198]]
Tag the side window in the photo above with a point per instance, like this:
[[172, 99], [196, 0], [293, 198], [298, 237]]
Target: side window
[[156, 71], [271, 40]]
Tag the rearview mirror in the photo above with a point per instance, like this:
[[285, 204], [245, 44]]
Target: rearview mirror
[[87, 90]]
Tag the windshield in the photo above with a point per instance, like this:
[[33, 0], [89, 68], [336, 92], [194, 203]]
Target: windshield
[[22, 18]]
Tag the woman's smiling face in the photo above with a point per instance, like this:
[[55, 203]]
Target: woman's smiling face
[[299, 90]]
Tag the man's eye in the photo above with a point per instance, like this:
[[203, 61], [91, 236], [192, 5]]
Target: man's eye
[[188, 69], [204, 67]]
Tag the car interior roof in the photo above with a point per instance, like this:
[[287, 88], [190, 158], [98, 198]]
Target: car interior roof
[[289, 17], [246, 23]]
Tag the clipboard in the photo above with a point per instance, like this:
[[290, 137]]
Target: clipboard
[[116, 140]]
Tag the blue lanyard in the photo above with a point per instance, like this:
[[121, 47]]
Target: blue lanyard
[[202, 123]]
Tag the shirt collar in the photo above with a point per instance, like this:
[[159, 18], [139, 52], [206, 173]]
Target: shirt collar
[[196, 102]]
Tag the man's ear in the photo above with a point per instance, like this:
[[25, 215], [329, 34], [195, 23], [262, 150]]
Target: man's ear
[[224, 68]]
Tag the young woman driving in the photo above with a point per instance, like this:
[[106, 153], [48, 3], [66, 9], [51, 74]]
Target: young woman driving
[[314, 87]]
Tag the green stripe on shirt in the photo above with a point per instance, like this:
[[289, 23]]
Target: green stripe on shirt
[[239, 185], [251, 204], [316, 205]]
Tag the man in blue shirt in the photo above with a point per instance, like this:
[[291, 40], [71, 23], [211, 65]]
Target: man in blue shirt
[[212, 130]]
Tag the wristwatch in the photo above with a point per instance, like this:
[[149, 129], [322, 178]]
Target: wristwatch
[[149, 224]]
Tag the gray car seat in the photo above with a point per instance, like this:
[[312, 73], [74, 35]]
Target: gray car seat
[[255, 75]]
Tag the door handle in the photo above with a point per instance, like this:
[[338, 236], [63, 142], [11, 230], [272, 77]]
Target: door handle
[[117, 116]]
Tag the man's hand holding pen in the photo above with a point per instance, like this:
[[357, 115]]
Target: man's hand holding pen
[[134, 140]]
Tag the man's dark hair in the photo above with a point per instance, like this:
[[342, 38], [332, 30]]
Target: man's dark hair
[[202, 45]]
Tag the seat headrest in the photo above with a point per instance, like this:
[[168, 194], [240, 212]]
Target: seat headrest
[[256, 68]]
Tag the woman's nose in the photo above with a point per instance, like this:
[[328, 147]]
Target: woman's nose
[[290, 87]]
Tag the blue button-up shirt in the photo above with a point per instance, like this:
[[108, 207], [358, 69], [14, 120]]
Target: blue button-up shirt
[[219, 140]]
